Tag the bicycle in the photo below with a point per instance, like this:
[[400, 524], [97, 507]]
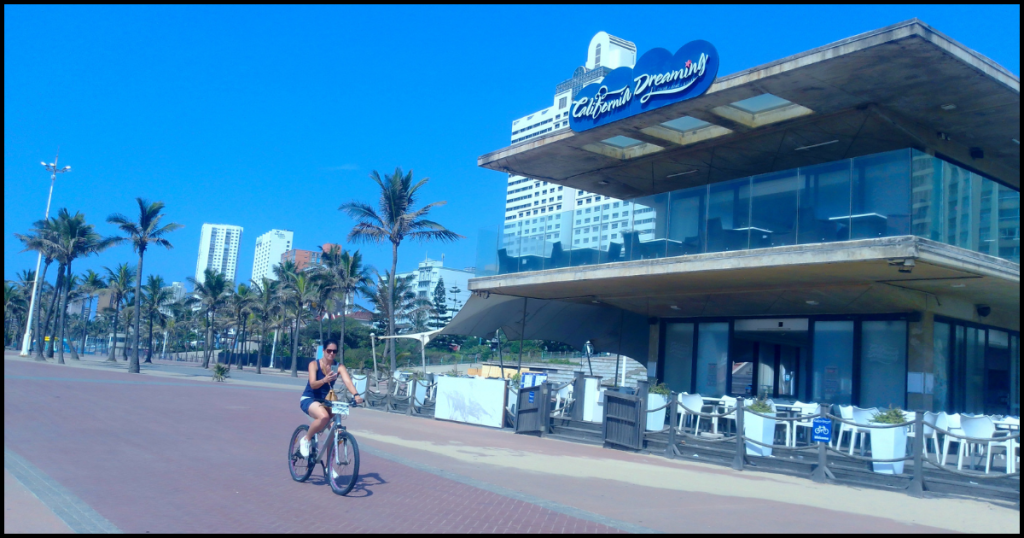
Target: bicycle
[[341, 467]]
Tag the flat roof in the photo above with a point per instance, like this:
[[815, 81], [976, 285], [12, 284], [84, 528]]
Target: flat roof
[[906, 85]]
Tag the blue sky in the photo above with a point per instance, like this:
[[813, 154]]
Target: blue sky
[[272, 117]]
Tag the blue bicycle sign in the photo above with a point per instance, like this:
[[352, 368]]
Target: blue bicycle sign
[[821, 432]]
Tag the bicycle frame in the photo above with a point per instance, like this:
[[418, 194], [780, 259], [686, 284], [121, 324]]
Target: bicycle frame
[[332, 434]]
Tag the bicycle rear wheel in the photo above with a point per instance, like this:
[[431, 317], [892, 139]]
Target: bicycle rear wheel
[[343, 462], [299, 467]]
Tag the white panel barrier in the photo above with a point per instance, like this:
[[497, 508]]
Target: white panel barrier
[[359, 380], [471, 400], [593, 400]]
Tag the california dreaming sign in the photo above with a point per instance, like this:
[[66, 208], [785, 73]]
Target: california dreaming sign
[[659, 78]]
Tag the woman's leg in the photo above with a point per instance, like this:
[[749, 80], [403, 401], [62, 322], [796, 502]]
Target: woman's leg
[[320, 419]]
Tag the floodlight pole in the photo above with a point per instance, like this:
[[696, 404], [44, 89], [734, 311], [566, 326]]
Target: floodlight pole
[[26, 342]]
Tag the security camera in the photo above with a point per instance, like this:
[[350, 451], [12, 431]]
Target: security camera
[[983, 310]]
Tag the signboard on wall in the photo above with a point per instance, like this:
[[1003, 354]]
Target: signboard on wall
[[659, 78]]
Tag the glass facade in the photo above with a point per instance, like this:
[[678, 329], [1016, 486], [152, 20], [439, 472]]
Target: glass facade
[[856, 360], [979, 368], [903, 192]]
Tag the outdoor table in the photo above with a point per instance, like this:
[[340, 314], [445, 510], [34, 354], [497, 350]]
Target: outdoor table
[[715, 403]]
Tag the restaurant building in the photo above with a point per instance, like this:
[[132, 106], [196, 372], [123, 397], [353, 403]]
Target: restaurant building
[[839, 226]]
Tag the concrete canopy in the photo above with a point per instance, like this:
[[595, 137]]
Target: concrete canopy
[[854, 277], [611, 330], [902, 86]]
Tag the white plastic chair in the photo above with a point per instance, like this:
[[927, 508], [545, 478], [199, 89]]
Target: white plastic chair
[[950, 423], [728, 404], [930, 434], [690, 404], [846, 413], [983, 428], [563, 399], [910, 416], [862, 417], [807, 410], [781, 423]]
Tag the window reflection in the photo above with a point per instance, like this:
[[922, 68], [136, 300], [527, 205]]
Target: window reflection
[[729, 215], [774, 209], [824, 214], [895, 193], [881, 195]]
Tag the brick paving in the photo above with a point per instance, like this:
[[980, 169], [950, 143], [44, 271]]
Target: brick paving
[[161, 453], [121, 445]]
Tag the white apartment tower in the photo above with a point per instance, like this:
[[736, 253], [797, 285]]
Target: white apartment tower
[[269, 248], [537, 213], [218, 250]]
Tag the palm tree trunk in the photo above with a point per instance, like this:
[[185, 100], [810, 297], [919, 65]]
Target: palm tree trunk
[[243, 353], [321, 322], [391, 303], [133, 366], [259, 350], [51, 313], [64, 313], [149, 352], [341, 341], [112, 351], [39, 314], [208, 351], [295, 345]]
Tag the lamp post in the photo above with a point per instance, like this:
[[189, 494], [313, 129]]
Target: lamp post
[[27, 341]]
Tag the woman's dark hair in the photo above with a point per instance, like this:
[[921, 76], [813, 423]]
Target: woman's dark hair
[[330, 341]]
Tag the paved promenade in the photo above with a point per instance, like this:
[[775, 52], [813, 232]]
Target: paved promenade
[[90, 448]]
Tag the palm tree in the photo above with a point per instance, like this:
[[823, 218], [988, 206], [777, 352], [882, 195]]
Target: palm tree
[[92, 283], [302, 293], [74, 239], [155, 295], [347, 274], [212, 293], [119, 283], [239, 302], [141, 234], [14, 307], [403, 302], [395, 221], [40, 240], [266, 305]]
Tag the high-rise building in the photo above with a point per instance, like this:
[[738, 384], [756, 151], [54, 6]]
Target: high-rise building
[[218, 250], [430, 272], [538, 213], [269, 248]]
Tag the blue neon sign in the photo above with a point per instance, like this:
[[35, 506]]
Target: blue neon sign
[[659, 78]]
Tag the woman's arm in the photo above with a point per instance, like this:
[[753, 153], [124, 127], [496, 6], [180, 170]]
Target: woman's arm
[[347, 380], [315, 383]]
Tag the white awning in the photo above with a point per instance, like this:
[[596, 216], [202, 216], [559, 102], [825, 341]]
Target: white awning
[[609, 329]]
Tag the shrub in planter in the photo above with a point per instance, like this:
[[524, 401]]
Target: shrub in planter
[[759, 429], [889, 443], [657, 396]]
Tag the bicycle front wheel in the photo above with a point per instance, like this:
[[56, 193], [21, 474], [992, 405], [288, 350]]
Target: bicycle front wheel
[[343, 461], [299, 467]]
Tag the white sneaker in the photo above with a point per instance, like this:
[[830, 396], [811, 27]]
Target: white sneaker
[[304, 447], [334, 474]]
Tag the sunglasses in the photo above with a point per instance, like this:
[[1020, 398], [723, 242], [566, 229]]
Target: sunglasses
[[331, 351]]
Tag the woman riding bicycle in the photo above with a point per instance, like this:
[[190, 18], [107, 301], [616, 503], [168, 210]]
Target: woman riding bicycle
[[321, 380]]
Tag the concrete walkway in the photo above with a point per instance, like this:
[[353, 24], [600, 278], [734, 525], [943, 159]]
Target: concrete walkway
[[420, 475]]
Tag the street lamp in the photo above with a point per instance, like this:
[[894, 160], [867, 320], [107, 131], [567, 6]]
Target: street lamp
[[53, 170]]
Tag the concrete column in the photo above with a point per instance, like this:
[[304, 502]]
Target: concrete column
[[920, 357]]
